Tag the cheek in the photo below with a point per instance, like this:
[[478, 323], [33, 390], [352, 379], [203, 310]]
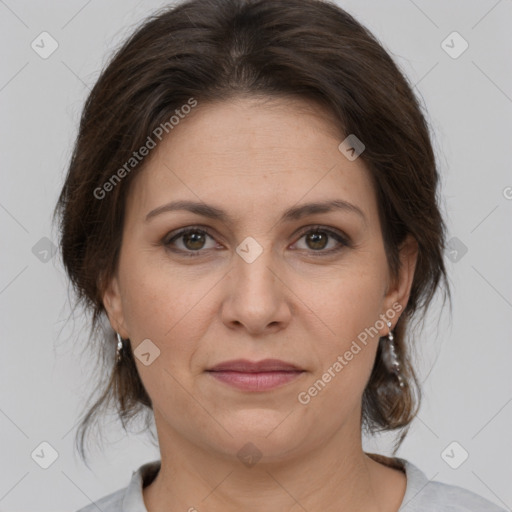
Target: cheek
[[165, 304], [152, 295], [348, 308], [348, 303]]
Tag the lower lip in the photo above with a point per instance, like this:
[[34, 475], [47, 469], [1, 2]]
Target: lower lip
[[260, 381]]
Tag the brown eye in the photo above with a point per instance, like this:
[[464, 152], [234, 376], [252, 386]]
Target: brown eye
[[193, 240], [323, 241], [316, 240], [188, 241]]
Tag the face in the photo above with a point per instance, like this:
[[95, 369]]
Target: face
[[256, 275]]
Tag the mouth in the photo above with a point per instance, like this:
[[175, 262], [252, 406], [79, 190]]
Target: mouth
[[255, 376]]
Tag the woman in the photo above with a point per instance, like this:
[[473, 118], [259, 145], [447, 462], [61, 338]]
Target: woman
[[252, 203]]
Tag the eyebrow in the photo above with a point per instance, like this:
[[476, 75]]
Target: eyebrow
[[293, 213]]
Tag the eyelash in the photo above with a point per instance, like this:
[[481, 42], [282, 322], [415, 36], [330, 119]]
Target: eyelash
[[343, 240]]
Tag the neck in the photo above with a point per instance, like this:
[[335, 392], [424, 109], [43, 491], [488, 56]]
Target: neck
[[336, 475]]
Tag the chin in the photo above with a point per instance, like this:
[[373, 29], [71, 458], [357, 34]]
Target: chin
[[266, 434]]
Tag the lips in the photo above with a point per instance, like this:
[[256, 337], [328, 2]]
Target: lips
[[245, 366], [255, 375]]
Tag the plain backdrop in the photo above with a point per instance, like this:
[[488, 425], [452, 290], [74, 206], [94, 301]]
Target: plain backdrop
[[465, 362]]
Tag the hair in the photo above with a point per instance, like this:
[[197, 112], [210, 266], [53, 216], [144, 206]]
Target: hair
[[220, 50]]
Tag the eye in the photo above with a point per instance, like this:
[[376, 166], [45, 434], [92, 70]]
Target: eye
[[191, 241], [188, 240], [318, 238]]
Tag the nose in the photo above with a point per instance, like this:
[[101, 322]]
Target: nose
[[257, 298]]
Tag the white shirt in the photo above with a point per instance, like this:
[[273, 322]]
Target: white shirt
[[421, 494]]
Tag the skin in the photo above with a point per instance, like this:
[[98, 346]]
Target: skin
[[255, 159]]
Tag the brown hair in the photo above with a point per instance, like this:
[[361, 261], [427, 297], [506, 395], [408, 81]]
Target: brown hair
[[216, 50]]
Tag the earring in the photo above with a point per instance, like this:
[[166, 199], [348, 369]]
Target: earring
[[390, 357], [120, 346]]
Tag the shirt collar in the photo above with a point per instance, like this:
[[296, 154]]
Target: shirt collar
[[133, 498]]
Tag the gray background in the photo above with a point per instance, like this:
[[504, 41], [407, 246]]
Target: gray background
[[464, 363]]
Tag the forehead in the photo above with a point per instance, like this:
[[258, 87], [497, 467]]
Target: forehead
[[253, 154]]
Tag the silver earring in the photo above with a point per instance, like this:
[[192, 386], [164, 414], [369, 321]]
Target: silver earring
[[120, 346], [390, 357]]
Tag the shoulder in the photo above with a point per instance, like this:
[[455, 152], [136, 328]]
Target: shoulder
[[110, 503], [130, 497], [424, 495]]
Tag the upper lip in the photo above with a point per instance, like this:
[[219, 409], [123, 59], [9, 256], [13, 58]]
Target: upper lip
[[246, 366]]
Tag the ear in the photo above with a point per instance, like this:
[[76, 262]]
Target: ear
[[400, 288], [114, 307]]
